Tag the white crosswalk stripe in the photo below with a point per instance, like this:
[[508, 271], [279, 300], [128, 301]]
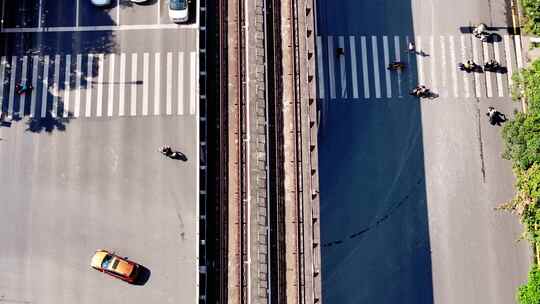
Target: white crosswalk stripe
[[500, 88], [20, 109], [433, 63], [12, 84], [342, 70], [397, 57], [354, 73], [386, 63], [331, 67], [97, 85], [376, 73], [157, 96], [363, 43], [55, 85], [110, 100]]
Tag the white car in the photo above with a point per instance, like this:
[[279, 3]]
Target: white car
[[138, 1], [101, 2], [178, 10]]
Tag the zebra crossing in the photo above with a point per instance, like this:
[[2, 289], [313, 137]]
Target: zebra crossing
[[100, 85], [361, 72]]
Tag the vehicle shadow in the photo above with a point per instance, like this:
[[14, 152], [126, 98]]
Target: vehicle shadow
[[143, 277]]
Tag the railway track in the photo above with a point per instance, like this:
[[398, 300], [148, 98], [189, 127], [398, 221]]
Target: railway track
[[262, 242]]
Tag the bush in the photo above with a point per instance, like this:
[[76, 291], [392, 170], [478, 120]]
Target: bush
[[522, 140], [529, 293], [531, 10]]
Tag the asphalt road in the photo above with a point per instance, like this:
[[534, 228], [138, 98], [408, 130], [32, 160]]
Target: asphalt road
[[80, 166], [409, 187]]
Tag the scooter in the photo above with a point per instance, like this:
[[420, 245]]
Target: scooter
[[21, 89], [394, 66], [168, 151]]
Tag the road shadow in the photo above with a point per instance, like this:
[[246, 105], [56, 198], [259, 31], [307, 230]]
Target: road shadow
[[56, 64], [374, 228]]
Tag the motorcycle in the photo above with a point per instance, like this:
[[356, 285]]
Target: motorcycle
[[394, 66], [21, 89], [471, 67], [480, 32], [169, 152]]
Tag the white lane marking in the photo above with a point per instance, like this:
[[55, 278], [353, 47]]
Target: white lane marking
[[67, 86], [354, 72], [409, 71], [46, 61], [3, 64], [118, 12], [145, 84], [342, 69], [477, 59], [452, 43], [101, 72], [35, 67], [133, 104], [180, 83], [376, 67], [159, 12], [99, 28], [331, 72], [419, 62], [193, 88], [78, 74], [386, 63], [157, 87], [39, 13], [121, 99], [444, 65], [22, 99], [77, 13], [508, 59], [500, 86], [365, 74], [12, 84], [465, 74], [55, 88], [89, 80], [433, 64], [517, 42], [169, 84], [320, 66], [397, 56], [488, 74], [111, 82]]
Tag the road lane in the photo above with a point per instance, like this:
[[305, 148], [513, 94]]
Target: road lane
[[408, 188]]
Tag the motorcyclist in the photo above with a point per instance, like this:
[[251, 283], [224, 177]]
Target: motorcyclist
[[491, 64], [22, 88], [419, 90], [167, 150], [396, 65], [480, 29]]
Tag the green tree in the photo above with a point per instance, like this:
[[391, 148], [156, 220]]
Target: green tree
[[531, 10], [522, 140], [529, 293]]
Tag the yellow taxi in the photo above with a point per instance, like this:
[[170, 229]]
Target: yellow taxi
[[114, 265]]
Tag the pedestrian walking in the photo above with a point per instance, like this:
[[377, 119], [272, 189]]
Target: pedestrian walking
[[412, 47]]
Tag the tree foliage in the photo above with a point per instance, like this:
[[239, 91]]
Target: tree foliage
[[531, 11], [529, 293], [522, 140]]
